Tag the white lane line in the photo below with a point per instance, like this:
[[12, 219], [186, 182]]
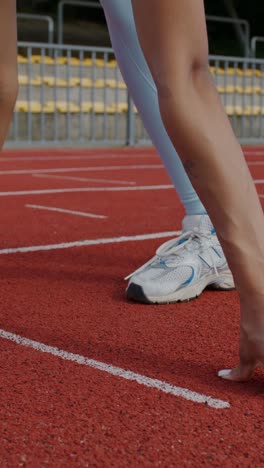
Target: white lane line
[[88, 242], [261, 196], [83, 169], [156, 384], [84, 179], [86, 189], [259, 181], [61, 210], [84, 157], [255, 163]]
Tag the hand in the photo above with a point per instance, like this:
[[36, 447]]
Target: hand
[[251, 349]]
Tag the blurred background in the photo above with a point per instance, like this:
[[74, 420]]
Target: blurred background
[[84, 25], [72, 92]]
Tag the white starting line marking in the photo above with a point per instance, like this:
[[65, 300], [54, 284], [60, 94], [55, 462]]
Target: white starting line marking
[[88, 242], [86, 189], [84, 179], [61, 210], [259, 181], [117, 371], [83, 169], [255, 163]]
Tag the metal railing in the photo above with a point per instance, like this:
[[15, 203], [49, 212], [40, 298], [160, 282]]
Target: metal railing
[[240, 82], [47, 19], [234, 21], [76, 96], [254, 41], [238, 23], [60, 13], [244, 37]]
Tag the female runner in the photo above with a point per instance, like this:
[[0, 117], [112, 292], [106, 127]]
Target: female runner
[[196, 122]]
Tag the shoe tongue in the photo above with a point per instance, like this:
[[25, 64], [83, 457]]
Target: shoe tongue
[[201, 222]]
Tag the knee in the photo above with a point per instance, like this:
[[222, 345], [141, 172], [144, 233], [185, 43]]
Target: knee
[[200, 73], [177, 79], [178, 86]]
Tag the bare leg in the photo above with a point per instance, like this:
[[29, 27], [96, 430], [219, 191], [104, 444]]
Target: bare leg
[[197, 125], [8, 64]]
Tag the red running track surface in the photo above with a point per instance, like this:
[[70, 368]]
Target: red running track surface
[[59, 413]]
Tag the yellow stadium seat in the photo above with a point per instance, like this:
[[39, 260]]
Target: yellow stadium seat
[[22, 59], [42, 59], [88, 62], [119, 107], [99, 83], [246, 111], [74, 81], [111, 110], [100, 62], [245, 72], [249, 72], [86, 82], [23, 80], [233, 110], [112, 64], [122, 106], [252, 90], [219, 71], [36, 81], [35, 107], [121, 85], [65, 107], [54, 81], [74, 61], [230, 89], [61, 60], [86, 107], [49, 107], [25, 106], [239, 89], [252, 110], [21, 106], [111, 83], [98, 108]]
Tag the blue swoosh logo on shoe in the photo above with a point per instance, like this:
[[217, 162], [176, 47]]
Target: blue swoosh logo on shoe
[[189, 280]]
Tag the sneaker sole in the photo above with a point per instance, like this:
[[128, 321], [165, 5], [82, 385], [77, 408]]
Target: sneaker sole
[[136, 293]]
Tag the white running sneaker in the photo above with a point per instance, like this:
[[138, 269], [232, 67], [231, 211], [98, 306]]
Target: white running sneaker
[[182, 268]]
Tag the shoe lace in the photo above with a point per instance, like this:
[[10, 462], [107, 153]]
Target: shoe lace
[[177, 247]]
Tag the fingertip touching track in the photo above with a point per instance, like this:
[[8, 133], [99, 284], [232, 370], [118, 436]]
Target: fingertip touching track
[[88, 378]]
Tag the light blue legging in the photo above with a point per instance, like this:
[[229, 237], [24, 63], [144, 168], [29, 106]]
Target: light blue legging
[[135, 71]]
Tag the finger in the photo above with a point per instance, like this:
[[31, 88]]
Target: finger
[[242, 373]]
